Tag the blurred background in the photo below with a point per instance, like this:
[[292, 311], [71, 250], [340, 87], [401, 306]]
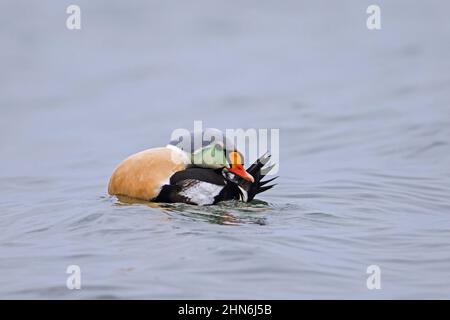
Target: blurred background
[[364, 121]]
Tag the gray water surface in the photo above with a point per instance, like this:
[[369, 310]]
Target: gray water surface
[[364, 119]]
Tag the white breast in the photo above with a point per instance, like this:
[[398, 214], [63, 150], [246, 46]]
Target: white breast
[[199, 192]]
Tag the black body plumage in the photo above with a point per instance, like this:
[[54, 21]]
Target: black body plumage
[[203, 186]]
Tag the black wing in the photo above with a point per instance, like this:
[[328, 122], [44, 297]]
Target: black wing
[[182, 181], [200, 174]]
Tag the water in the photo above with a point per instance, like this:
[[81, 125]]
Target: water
[[364, 123]]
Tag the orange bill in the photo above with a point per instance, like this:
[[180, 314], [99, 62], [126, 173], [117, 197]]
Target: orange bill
[[237, 167]]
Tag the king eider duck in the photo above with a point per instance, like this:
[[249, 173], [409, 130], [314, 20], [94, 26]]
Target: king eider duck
[[211, 173]]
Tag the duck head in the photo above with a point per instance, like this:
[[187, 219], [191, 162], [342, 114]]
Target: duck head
[[216, 156], [215, 152]]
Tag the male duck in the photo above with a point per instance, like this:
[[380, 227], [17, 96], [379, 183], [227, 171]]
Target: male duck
[[213, 172]]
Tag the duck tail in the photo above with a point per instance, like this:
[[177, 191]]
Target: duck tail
[[258, 170]]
